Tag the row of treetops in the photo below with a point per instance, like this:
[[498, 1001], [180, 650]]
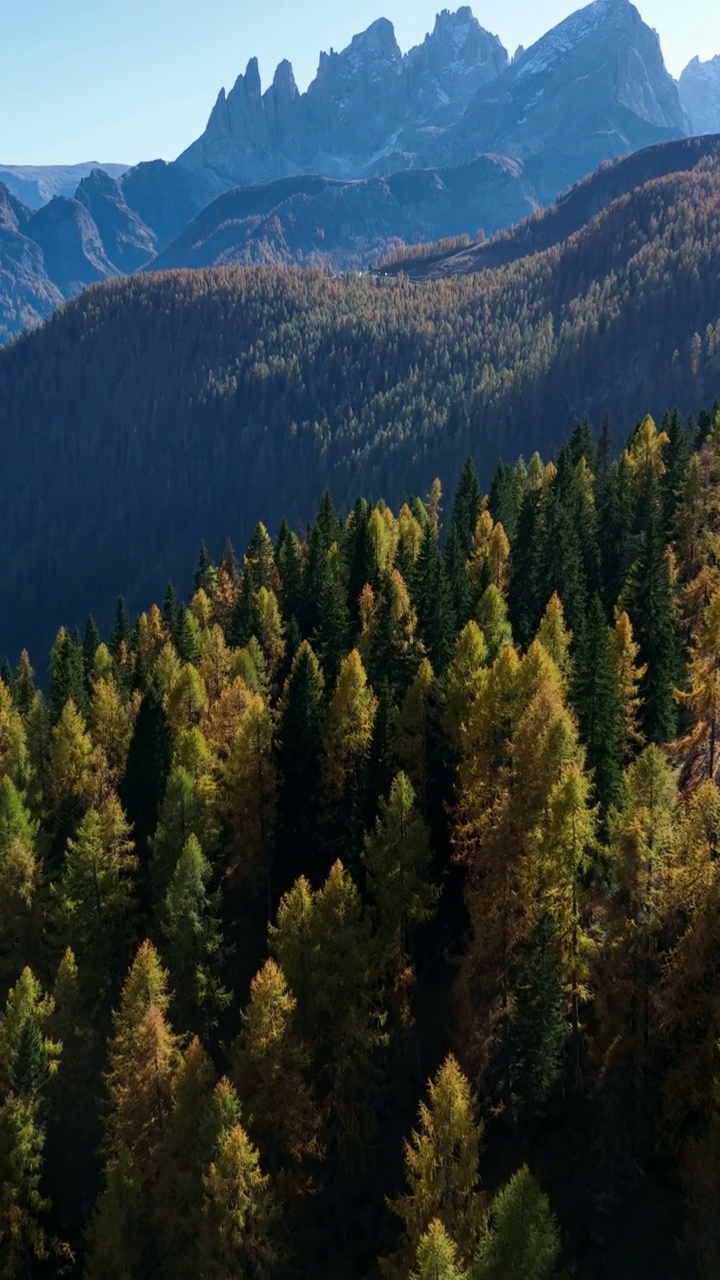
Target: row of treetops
[[363, 751]]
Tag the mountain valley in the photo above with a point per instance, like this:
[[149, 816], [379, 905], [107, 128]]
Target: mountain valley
[[383, 149], [273, 383], [360, 653]]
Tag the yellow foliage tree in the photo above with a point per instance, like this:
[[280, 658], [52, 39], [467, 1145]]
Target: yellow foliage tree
[[703, 694], [442, 1171], [270, 1065], [186, 701], [465, 679], [112, 721], [629, 672], [249, 795], [349, 726], [71, 757]]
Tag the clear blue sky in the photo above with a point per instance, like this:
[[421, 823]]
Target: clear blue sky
[[129, 80]]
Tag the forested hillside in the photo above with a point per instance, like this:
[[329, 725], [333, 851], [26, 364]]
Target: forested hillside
[[568, 215], [159, 410], [359, 917]]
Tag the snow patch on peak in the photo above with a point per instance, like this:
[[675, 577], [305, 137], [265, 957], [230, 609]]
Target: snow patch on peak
[[574, 30]]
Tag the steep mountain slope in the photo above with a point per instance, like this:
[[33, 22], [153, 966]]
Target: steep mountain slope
[[127, 241], [27, 294], [72, 247], [699, 88], [568, 215], [164, 196], [201, 402], [360, 113], [36, 185], [50, 254], [593, 88], [348, 224]]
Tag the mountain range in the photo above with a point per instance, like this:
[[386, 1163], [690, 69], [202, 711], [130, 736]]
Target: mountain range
[[202, 401], [383, 149], [35, 185]]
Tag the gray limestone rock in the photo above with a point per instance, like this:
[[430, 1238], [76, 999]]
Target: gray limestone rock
[[699, 88]]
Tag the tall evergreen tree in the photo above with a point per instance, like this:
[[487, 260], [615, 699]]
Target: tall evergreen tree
[[650, 605], [597, 702], [527, 595], [523, 1240], [300, 733], [441, 1168], [466, 506], [67, 674], [332, 633], [539, 1028], [433, 601], [288, 559], [191, 927]]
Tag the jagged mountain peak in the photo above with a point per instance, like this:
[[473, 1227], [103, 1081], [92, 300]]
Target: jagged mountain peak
[[13, 213], [359, 113], [284, 77], [99, 181], [699, 88], [582, 25], [455, 59], [458, 34], [593, 88], [458, 28], [376, 46], [252, 77], [379, 35]]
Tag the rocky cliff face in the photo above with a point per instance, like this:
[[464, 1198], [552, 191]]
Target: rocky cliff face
[[27, 294], [447, 69], [595, 87], [71, 243], [700, 94], [127, 241], [361, 113]]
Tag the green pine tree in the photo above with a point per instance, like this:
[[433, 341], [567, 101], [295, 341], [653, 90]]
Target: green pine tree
[[433, 601], [300, 738], [194, 947], [649, 597], [598, 705], [539, 1030], [523, 1241]]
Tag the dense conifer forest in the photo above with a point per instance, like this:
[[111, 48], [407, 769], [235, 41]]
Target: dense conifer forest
[[359, 911], [159, 410]]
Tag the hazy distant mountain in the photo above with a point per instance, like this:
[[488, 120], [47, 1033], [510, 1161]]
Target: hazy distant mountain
[[35, 185], [71, 243], [27, 294], [700, 94]]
